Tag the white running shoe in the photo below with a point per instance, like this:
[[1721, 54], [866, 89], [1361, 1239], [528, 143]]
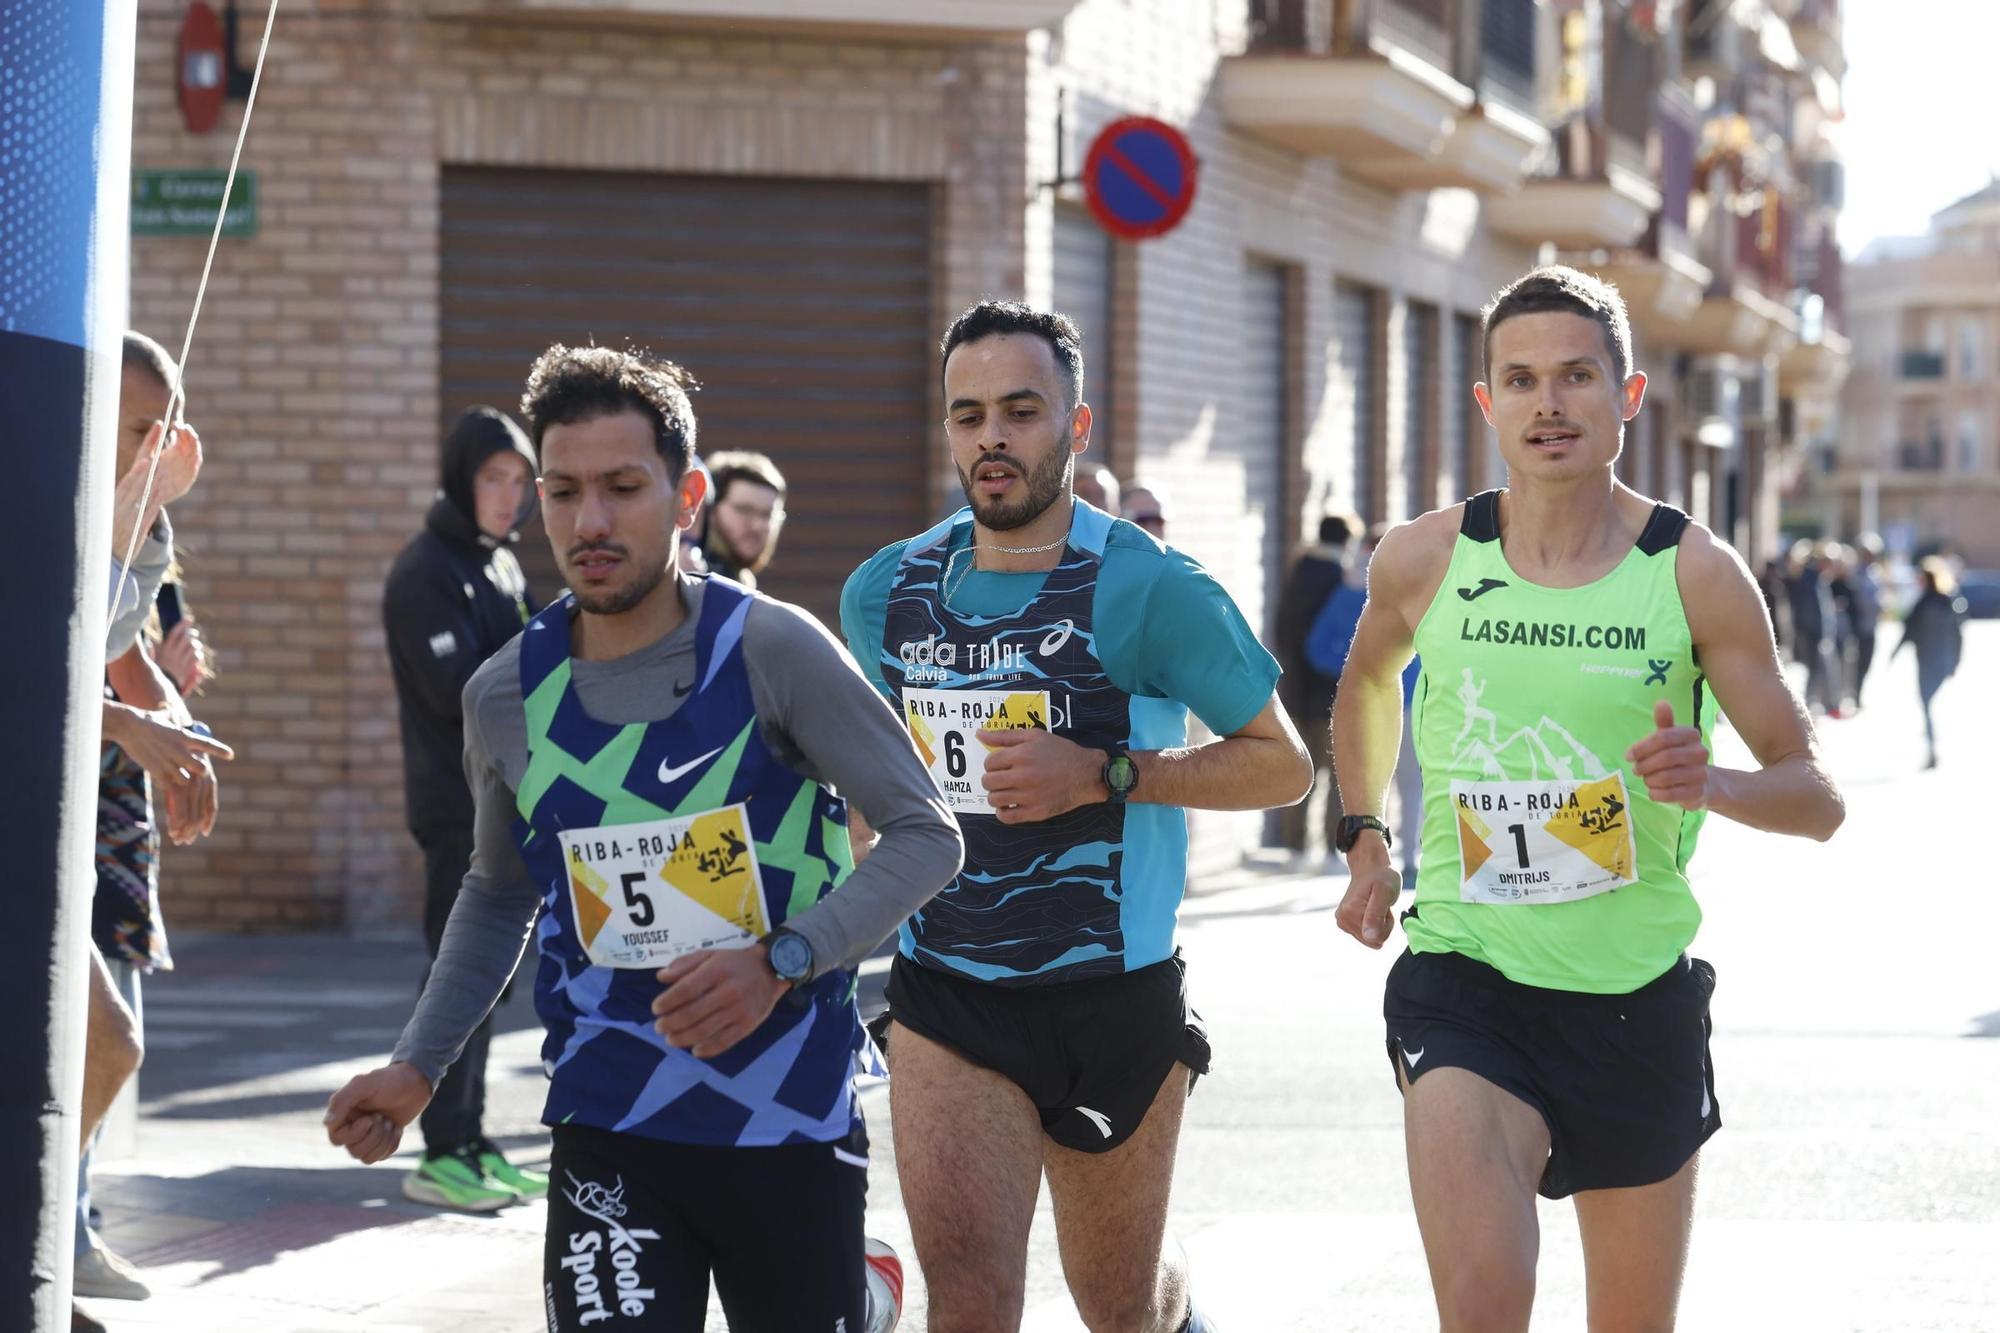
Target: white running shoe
[[885, 1287], [109, 1276]]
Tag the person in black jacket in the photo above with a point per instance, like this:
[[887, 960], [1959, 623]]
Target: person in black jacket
[[1936, 628], [454, 596], [1306, 694]]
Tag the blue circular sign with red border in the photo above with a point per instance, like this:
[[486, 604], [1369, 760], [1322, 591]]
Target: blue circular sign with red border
[[1139, 177]]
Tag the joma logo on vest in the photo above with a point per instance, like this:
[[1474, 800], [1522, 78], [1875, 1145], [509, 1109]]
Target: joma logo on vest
[[1553, 634]]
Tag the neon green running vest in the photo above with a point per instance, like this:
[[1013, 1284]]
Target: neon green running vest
[[1543, 856]]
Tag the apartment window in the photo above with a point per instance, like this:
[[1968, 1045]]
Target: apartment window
[[1968, 442], [1970, 349]]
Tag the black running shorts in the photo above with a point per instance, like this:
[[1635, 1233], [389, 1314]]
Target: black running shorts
[[1624, 1082], [636, 1227], [1090, 1054]]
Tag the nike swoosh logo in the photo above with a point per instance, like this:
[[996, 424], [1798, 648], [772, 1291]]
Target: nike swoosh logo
[[1411, 1057], [1485, 586], [1098, 1118], [680, 691], [671, 774]]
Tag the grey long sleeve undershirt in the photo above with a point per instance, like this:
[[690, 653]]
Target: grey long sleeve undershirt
[[816, 712]]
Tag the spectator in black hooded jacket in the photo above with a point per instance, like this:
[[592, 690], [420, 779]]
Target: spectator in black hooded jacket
[[454, 596]]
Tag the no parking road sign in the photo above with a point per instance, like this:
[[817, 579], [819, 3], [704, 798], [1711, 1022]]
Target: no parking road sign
[[1139, 177]]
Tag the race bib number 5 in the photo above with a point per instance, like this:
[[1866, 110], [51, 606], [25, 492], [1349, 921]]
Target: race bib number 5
[[946, 724], [644, 894], [1543, 842]]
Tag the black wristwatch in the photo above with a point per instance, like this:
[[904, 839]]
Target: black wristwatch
[[790, 954], [1121, 776], [1351, 827]]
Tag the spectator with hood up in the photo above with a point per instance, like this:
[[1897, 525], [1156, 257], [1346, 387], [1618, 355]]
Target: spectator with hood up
[[454, 596]]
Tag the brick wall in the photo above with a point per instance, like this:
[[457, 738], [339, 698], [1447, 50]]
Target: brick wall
[[315, 373], [1184, 308], [314, 376]]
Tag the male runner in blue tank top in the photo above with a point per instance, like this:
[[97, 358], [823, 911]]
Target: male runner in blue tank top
[[1045, 657], [653, 763], [1546, 1026]]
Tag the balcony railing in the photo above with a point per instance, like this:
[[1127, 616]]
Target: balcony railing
[[1764, 245], [1923, 365], [1486, 45], [1817, 34], [889, 20], [1399, 92], [1679, 126], [1631, 74], [1921, 455], [1598, 197], [1279, 26]]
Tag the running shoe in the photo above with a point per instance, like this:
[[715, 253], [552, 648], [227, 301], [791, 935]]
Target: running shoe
[[526, 1184], [885, 1286], [108, 1276], [457, 1180]]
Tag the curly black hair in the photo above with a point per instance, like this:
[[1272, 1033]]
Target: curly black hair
[[571, 384], [989, 317]]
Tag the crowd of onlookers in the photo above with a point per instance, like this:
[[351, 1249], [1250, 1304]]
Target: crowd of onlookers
[[1828, 603]]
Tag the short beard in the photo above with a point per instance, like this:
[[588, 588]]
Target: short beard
[[1046, 485], [617, 601]]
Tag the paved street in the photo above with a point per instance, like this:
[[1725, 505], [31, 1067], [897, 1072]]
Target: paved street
[[1856, 1185]]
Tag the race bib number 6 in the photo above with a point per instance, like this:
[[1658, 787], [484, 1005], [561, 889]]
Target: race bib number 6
[[946, 724], [644, 894], [1543, 842]]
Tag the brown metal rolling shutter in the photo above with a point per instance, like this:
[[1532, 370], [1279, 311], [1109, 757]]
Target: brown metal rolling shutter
[[1356, 387], [1082, 276], [803, 307], [1420, 326], [1263, 432]]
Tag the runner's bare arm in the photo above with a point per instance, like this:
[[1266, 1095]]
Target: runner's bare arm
[[1034, 775], [1791, 791], [1258, 767], [1368, 709]]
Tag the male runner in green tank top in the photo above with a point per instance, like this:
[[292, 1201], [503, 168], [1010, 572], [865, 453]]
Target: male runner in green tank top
[[1546, 1027]]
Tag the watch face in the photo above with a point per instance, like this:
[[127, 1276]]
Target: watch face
[[1121, 772], [791, 956]]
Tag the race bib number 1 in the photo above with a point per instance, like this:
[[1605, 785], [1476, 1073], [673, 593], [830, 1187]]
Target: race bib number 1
[[1543, 842], [644, 894], [946, 724]]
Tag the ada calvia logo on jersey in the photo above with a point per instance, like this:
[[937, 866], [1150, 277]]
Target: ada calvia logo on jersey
[[617, 1243], [933, 661]]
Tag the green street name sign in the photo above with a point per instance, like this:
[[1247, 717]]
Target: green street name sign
[[183, 203]]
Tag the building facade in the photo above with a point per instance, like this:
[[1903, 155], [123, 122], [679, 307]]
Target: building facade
[[1915, 459], [793, 197]]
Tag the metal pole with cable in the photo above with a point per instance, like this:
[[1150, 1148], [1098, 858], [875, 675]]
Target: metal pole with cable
[[66, 136]]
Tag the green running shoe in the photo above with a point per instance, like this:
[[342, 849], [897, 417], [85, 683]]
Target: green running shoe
[[457, 1180], [499, 1171]]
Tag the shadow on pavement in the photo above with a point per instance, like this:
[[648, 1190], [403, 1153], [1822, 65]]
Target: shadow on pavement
[[251, 1007], [261, 1214]]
